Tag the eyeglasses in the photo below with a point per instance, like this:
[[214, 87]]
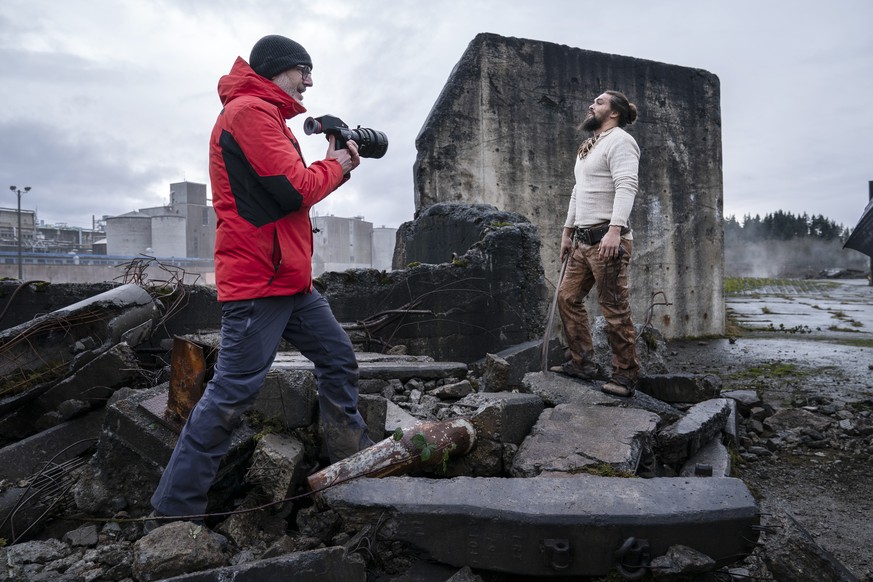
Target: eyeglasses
[[305, 71]]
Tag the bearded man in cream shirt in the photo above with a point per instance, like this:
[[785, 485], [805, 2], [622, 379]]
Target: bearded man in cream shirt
[[599, 242]]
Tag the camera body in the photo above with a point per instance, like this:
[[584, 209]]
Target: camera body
[[371, 143]]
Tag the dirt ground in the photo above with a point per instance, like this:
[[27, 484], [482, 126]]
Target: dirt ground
[[804, 344]]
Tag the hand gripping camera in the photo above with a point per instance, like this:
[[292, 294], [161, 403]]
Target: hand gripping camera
[[371, 143]]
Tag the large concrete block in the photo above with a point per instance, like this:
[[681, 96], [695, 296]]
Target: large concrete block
[[571, 437], [548, 527], [500, 138]]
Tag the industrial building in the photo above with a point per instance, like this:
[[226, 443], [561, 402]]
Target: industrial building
[[184, 228], [181, 233], [340, 244]]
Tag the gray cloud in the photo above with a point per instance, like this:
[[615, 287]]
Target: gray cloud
[[103, 106]]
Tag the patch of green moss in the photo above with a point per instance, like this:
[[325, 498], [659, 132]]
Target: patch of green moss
[[772, 370]]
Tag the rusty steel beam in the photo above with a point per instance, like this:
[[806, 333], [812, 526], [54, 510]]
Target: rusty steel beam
[[191, 366], [425, 444]]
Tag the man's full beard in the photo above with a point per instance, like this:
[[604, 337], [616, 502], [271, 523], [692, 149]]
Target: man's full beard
[[591, 123]]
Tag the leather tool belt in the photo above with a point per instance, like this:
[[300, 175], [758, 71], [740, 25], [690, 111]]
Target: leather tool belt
[[592, 235]]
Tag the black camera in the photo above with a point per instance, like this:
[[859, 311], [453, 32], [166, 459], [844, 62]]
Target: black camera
[[371, 143]]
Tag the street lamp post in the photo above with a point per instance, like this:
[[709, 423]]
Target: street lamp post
[[18, 191]]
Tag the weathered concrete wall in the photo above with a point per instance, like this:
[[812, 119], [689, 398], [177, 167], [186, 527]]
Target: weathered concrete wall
[[503, 132], [474, 286]]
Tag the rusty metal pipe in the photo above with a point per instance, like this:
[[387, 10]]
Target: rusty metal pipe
[[399, 457]]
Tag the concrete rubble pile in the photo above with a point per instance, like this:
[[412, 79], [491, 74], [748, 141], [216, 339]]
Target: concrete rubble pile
[[487, 469]]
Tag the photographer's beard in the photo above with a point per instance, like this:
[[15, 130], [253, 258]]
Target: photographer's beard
[[591, 123], [291, 84]]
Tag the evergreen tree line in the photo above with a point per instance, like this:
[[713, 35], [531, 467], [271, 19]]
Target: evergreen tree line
[[781, 225]]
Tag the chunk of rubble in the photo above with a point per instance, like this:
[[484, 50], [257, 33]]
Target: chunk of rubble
[[677, 442], [176, 548], [502, 421], [712, 460], [571, 438]]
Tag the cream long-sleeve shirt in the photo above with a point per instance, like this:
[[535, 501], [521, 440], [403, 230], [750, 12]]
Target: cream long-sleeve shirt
[[606, 182]]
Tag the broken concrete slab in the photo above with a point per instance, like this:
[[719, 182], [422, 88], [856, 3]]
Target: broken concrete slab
[[96, 380], [453, 391], [472, 284], [324, 565], [572, 437], [54, 445], [545, 527], [36, 353], [681, 561], [557, 389], [675, 443], [712, 460], [383, 367], [91, 380], [133, 449], [680, 388], [521, 358], [745, 399]]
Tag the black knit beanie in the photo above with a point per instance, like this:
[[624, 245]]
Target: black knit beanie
[[274, 54]]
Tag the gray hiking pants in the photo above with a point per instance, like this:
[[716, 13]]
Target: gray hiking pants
[[250, 334]]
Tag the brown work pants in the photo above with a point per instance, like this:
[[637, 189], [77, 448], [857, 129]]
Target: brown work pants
[[584, 270]]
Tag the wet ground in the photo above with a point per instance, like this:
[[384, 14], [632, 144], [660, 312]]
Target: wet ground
[[803, 343]]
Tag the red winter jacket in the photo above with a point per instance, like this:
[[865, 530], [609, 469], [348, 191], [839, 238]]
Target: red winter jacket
[[262, 190]]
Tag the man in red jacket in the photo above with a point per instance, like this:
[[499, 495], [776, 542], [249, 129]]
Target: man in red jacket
[[262, 191]]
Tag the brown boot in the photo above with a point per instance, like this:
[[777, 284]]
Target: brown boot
[[619, 386], [587, 371]]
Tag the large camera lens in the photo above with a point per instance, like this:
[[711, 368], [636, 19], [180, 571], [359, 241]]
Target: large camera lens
[[371, 143]]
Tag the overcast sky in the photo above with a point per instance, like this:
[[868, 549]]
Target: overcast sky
[[104, 103]]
